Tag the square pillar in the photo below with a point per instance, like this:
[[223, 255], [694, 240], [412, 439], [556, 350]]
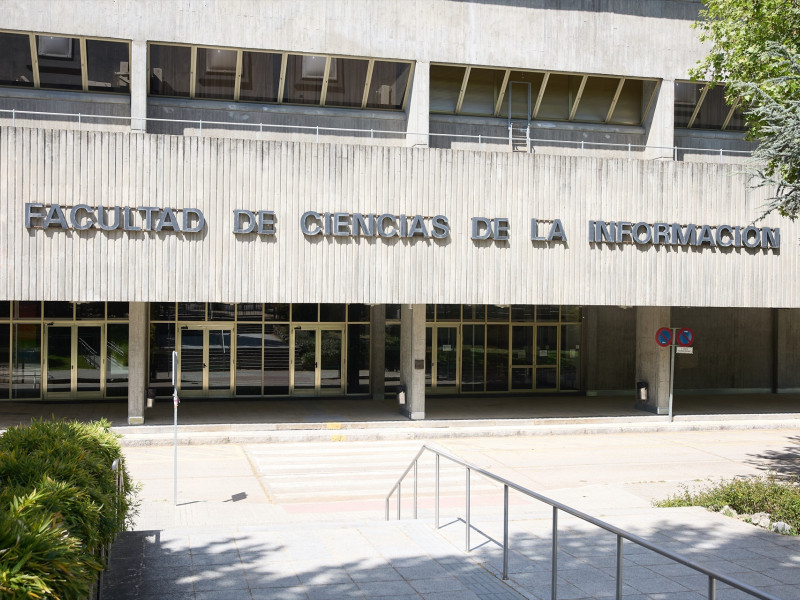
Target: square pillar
[[412, 359], [419, 106], [138, 340], [138, 77], [377, 349], [652, 361], [660, 122]]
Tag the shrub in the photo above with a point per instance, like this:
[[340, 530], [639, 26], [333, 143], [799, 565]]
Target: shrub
[[768, 494], [59, 507]]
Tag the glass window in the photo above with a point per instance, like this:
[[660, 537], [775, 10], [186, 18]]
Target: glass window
[[215, 75], [357, 359], [117, 359], [631, 102], [170, 70], [90, 310], [332, 313], [219, 311], [571, 313], [107, 66], [261, 74], [191, 311], [546, 378], [26, 373], [713, 111], [358, 312], [391, 374], [448, 312], [474, 312], [598, 94], [387, 89], [473, 358], [16, 65], [303, 82], [547, 313], [521, 378], [346, 82], [737, 122], [522, 345], [497, 313], [570, 357], [59, 62], [162, 311], [276, 312], [5, 310], [305, 312], [248, 360], [392, 312], [162, 344], [58, 310], [117, 310], [496, 358], [546, 345], [28, 310], [522, 312], [559, 95], [483, 88], [445, 87], [429, 312], [522, 90], [5, 360], [249, 311], [276, 360], [687, 94]]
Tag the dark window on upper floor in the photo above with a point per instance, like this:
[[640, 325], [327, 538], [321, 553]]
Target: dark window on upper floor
[[698, 105]]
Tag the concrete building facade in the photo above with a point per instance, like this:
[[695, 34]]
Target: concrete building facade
[[311, 198]]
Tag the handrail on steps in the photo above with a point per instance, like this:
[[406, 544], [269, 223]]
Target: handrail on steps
[[713, 576]]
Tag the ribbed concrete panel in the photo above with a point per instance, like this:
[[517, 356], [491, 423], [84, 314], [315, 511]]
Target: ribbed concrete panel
[[218, 176]]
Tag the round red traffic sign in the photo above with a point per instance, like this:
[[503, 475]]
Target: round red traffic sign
[[664, 336], [685, 337]]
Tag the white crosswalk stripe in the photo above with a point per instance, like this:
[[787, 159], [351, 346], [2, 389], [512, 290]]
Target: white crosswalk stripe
[[354, 471]]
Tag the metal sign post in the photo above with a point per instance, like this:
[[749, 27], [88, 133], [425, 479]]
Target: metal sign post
[[175, 402], [674, 337]]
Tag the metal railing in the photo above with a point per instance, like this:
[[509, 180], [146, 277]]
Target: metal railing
[[140, 124], [713, 576]]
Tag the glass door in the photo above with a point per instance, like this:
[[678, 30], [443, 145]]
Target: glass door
[[442, 358], [75, 363], [205, 361], [317, 366]]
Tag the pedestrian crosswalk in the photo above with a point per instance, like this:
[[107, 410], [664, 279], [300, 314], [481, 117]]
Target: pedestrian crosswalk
[[331, 471]]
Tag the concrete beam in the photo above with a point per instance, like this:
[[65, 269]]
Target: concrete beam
[[412, 359]]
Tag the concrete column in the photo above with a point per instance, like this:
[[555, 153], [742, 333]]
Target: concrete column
[[138, 74], [138, 340], [652, 361], [412, 359], [419, 106], [377, 348], [660, 122], [787, 351]]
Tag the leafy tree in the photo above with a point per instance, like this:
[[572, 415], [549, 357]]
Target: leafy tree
[[755, 46]]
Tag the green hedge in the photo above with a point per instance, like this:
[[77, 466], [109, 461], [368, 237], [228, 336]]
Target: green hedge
[[59, 507]]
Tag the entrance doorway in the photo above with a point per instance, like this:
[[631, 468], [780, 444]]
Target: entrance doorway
[[75, 361], [317, 365], [206, 360], [441, 360]]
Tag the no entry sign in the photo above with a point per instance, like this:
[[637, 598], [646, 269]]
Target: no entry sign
[[685, 337], [664, 337]]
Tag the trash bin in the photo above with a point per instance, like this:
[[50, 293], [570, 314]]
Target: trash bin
[[151, 397], [641, 391], [401, 396]]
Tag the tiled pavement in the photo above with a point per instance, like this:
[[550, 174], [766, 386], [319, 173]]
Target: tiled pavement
[[410, 559]]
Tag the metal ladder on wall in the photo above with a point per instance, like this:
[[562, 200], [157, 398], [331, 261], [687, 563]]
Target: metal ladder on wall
[[519, 129]]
